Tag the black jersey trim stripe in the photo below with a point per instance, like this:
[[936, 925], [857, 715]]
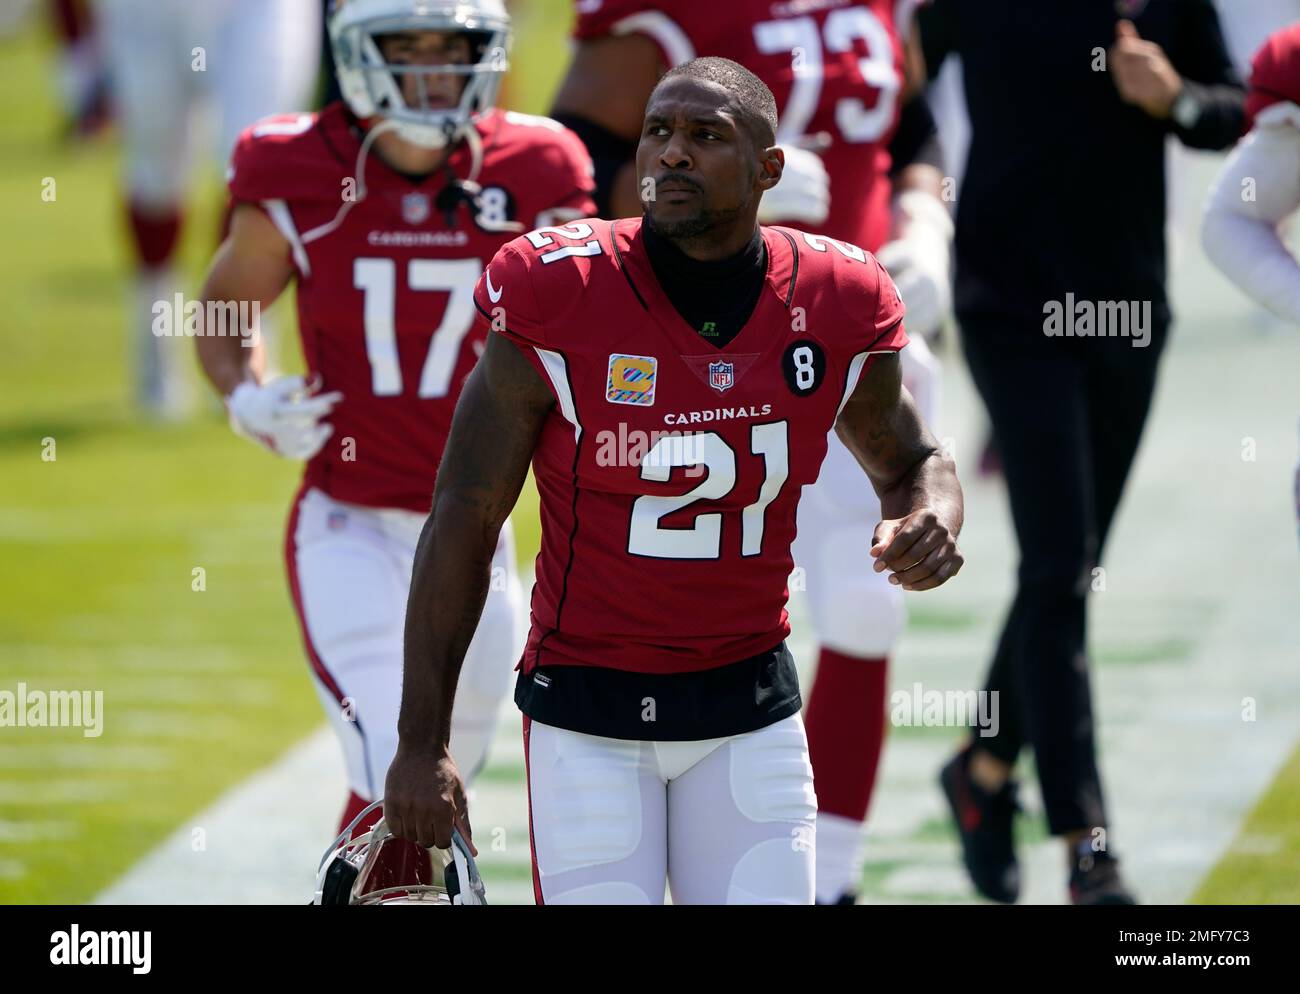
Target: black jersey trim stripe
[[514, 336], [794, 268], [618, 260], [884, 333]]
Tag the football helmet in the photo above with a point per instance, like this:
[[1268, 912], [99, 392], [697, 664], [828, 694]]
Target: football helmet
[[373, 869], [372, 87]]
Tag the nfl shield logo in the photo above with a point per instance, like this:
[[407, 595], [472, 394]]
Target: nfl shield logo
[[721, 375], [415, 208]]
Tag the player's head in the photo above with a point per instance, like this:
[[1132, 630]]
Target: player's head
[[707, 150], [426, 65]]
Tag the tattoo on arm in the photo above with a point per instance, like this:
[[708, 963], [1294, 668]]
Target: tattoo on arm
[[883, 429]]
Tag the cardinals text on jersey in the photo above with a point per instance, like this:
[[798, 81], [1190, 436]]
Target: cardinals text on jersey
[[385, 277], [677, 559]]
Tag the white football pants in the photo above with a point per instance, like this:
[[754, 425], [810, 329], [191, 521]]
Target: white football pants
[[349, 572], [252, 58], [720, 821]]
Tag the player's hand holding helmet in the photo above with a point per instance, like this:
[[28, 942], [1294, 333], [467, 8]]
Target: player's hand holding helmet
[[376, 867], [284, 415], [424, 798], [803, 193], [918, 259]]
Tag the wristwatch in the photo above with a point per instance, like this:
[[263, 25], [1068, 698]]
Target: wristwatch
[[1186, 109]]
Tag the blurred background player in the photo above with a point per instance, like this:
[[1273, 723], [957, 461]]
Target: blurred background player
[[838, 78], [1258, 190], [1100, 87], [384, 210], [82, 77], [1259, 186], [243, 60]]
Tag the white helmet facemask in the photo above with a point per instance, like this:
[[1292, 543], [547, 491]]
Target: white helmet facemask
[[354, 871], [374, 87]]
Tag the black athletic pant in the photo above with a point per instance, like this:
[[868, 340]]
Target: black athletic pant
[[1067, 416]]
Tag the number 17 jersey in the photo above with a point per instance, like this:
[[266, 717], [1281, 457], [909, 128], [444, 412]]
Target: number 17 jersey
[[670, 470]]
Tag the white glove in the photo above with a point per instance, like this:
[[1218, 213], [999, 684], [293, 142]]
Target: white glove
[[919, 260], [803, 192], [283, 414]]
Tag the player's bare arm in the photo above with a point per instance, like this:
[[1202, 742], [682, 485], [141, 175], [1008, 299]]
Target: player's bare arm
[[495, 429], [608, 83], [920, 497], [285, 416], [252, 264]]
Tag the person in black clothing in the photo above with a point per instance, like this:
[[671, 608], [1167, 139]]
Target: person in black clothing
[[1060, 297]]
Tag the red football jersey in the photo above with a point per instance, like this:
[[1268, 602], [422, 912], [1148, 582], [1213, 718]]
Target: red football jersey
[[1274, 73], [836, 73], [385, 280], [670, 470]]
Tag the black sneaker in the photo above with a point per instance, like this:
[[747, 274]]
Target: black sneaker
[[848, 898], [1095, 879], [984, 822]]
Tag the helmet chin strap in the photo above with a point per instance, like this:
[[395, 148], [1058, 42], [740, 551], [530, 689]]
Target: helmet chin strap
[[468, 191], [359, 174], [456, 192]]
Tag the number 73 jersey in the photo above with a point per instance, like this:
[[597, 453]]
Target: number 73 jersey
[[835, 68], [670, 470]]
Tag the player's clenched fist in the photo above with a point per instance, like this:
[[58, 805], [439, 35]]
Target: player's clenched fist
[[424, 798], [920, 550]]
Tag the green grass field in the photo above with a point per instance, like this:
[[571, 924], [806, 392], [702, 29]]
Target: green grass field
[[100, 543]]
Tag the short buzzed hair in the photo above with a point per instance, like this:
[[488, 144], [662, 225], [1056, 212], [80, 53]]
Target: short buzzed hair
[[753, 98]]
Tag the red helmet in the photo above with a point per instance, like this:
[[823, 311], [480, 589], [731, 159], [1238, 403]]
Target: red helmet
[[376, 867]]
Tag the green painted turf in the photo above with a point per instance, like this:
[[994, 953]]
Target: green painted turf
[[1262, 866], [200, 688], [98, 546]]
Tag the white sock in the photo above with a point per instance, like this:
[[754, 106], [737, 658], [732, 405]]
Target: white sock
[[840, 855], [162, 386]]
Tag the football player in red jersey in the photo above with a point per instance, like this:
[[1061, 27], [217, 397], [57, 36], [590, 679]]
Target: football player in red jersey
[[662, 730], [862, 165], [1241, 232], [384, 210]]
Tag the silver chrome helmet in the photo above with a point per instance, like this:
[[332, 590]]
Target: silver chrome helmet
[[364, 871], [372, 87]]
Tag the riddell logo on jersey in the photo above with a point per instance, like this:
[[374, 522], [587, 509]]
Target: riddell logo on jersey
[[631, 379]]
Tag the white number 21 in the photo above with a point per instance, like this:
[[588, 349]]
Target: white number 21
[[703, 540]]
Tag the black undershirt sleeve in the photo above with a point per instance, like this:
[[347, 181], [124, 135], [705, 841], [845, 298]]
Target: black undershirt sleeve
[[1202, 59], [916, 140], [609, 153], [934, 20]]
